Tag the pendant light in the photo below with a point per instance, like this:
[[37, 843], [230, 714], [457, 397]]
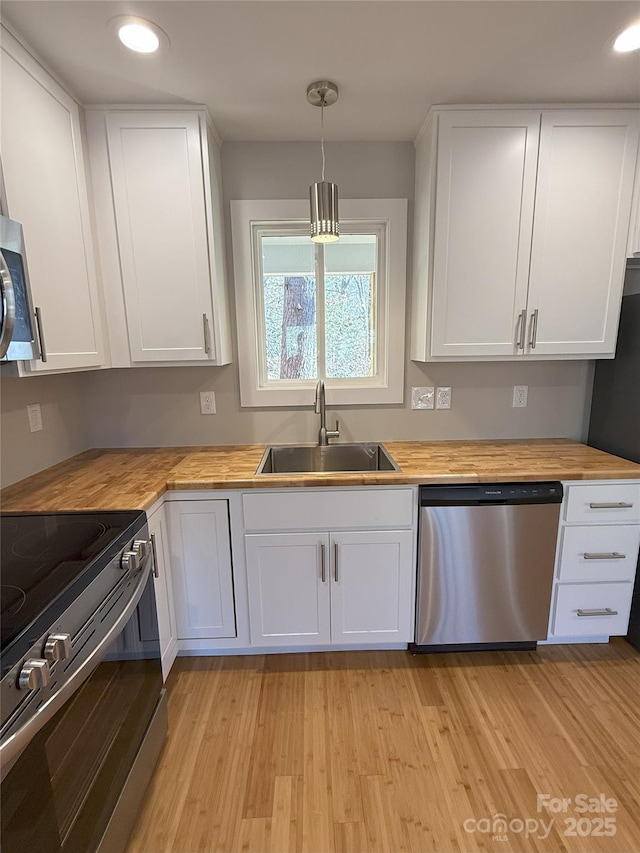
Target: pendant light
[[323, 195]]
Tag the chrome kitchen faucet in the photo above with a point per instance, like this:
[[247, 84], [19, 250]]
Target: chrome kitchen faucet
[[324, 434]]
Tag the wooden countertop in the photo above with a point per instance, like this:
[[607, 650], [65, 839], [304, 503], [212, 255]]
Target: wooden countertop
[[134, 478]]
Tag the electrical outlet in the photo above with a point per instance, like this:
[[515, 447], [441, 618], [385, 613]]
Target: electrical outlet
[[207, 403], [423, 397], [35, 417], [443, 398], [520, 393]]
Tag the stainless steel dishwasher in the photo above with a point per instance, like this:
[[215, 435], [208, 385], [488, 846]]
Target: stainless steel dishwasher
[[485, 565]]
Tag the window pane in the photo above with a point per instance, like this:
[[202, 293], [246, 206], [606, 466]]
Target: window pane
[[289, 304], [350, 306]]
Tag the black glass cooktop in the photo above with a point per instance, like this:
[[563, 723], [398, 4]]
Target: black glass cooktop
[[48, 559]]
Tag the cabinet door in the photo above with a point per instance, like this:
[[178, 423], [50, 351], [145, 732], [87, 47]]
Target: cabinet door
[[42, 159], [371, 587], [288, 584], [633, 243], [583, 201], [162, 584], [157, 176], [485, 185], [201, 568]]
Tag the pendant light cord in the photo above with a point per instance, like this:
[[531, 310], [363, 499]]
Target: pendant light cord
[[322, 132]]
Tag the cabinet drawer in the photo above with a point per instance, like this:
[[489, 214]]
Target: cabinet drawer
[[580, 609], [327, 509], [607, 552], [606, 503]]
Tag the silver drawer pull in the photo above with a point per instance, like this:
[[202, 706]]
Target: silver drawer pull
[[323, 566], [608, 555], [156, 570], [521, 329], [613, 505], [598, 611], [533, 329], [40, 331], [207, 337]]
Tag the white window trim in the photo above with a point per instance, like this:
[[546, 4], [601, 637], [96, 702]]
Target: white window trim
[[389, 386]]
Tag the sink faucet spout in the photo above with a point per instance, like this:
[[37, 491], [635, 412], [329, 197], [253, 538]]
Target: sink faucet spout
[[324, 434]]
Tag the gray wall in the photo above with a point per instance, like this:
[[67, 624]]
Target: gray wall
[[150, 406], [64, 431], [160, 406]]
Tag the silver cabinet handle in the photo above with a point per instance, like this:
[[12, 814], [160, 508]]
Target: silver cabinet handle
[[606, 555], [611, 505], [207, 338], [533, 329], [598, 611], [8, 306], [521, 328], [156, 571], [335, 562], [40, 330], [323, 567]]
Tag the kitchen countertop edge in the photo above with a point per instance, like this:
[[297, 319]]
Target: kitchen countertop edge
[[136, 478]]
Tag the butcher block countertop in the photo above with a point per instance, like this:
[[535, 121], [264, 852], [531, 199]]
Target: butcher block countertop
[[134, 478]]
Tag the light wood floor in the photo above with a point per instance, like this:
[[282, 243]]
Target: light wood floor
[[382, 752]]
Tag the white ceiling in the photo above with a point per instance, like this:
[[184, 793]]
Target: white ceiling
[[251, 62]]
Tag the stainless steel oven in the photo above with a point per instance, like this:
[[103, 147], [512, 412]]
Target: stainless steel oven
[[83, 709]]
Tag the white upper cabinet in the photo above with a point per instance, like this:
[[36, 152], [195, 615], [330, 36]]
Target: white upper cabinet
[[583, 201], [44, 173], [486, 173], [159, 215], [522, 219], [633, 243]]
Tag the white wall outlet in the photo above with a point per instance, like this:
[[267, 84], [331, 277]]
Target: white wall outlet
[[423, 397], [35, 417], [207, 403], [520, 393], [443, 398]]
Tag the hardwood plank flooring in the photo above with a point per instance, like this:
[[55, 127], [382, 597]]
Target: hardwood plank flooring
[[382, 752]]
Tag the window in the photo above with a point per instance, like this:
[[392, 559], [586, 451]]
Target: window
[[307, 311]]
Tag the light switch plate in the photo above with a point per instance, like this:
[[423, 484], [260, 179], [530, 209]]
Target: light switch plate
[[422, 397], [443, 398]]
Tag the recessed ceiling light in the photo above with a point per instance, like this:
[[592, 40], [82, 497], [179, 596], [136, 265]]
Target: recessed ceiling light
[[628, 39], [138, 34]]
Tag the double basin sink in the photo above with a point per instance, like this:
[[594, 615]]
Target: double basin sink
[[313, 459]]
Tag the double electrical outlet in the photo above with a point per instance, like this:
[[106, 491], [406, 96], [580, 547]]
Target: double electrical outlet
[[207, 403], [428, 397]]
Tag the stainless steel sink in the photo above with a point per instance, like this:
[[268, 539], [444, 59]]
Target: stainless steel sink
[[311, 458]]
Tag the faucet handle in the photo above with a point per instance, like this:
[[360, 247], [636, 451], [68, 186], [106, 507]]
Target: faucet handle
[[334, 433]]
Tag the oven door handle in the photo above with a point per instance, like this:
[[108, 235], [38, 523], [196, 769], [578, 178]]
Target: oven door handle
[[13, 746]]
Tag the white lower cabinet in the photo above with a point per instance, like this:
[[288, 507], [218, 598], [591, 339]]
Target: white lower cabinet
[[288, 589], [371, 587], [588, 609], [201, 568], [162, 584], [351, 587], [596, 562]]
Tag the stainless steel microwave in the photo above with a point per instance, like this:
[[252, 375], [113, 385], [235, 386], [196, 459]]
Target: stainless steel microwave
[[18, 320]]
